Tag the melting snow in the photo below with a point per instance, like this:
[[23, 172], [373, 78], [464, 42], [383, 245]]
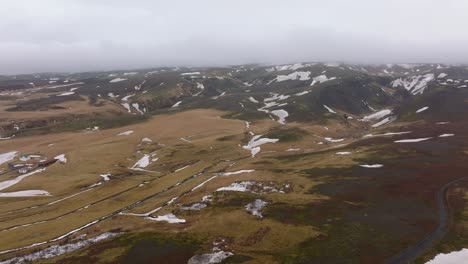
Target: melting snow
[[235, 172], [61, 158], [218, 96], [253, 100], [127, 97], [170, 218], [298, 75], [138, 87], [106, 176], [388, 134], [447, 135], [190, 73], [177, 104], [378, 115], [64, 85], [293, 149], [422, 109], [291, 67], [383, 122], [321, 79], [373, 166], [203, 183], [442, 75], [412, 140], [137, 107], [5, 157], [183, 168], [237, 187], [414, 84], [455, 257], [255, 143], [126, 133], [213, 258], [302, 93], [329, 109], [130, 73], [143, 162], [8, 183], [194, 207], [28, 193], [276, 97], [329, 139], [127, 106], [281, 114], [117, 80], [201, 87], [221, 174], [343, 153], [56, 250], [66, 93], [255, 207], [146, 140]]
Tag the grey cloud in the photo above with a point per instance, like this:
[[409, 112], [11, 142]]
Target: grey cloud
[[81, 35]]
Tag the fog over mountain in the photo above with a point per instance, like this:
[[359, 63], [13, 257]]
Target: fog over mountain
[[79, 35]]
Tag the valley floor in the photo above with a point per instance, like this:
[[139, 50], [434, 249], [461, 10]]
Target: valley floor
[[191, 183]]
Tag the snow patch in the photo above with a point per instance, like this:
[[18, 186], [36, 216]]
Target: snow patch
[[8, 156], [65, 94], [213, 258], [455, 257], [373, 166], [176, 104], [28, 193], [321, 79], [251, 99], [126, 133], [281, 114], [298, 75], [190, 73], [56, 250], [422, 109], [442, 75], [380, 114], [383, 122], [412, 140], [117, 80], [255, 207], [170, 218], [329, 109], [8, 183], [61, 158], [302, 93], [106, 176], [143, 162], [329, 139], [194, 207], [446, 135], [414, 84], [254, 144], [344, 153]]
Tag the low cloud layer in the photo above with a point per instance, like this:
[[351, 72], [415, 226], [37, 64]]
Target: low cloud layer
[[81, 35]]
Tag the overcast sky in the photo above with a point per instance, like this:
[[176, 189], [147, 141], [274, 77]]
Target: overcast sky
[[85, 35]]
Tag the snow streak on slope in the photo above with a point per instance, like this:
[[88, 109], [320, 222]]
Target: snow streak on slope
[[414, 84], [321, 79], [298, 75], [254, 144], [281, 114]]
